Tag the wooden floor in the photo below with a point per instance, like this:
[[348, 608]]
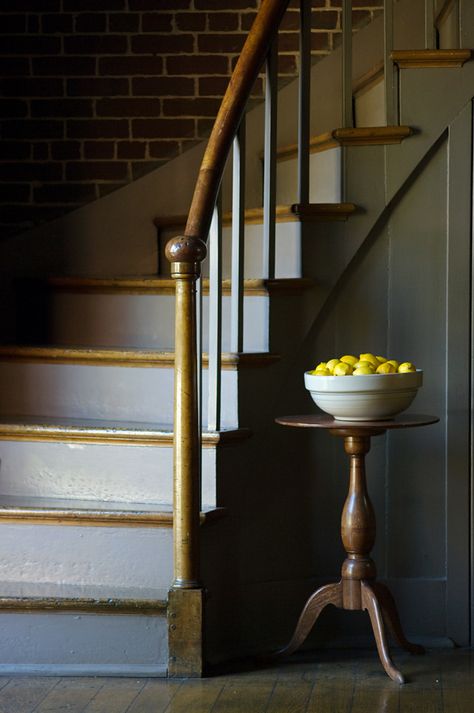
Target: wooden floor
[[335, 682]]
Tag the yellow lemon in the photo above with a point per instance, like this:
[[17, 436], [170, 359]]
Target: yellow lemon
[[381, 359], [361, 370], [395, 363], [321, 372], [321, 365], [349, 359], [386, 368], [370, 358], [331, 364], [363, 363], [342, 369], [405, 367]]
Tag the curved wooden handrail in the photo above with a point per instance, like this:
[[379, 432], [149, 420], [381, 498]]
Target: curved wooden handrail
[[264, 29]]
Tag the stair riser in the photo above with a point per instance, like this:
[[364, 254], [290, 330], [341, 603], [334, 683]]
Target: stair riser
[[117, 473], [144, 321], [101, 392], [111, 557], [287, 251], [325, 178], [81, 644]]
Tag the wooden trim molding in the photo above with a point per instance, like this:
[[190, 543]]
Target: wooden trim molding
[[412, 59], [103, 432], [369, 79], [443, 12], [123, 357], [87, 605]]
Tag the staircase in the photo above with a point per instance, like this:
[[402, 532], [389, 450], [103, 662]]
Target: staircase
[[87, 419]]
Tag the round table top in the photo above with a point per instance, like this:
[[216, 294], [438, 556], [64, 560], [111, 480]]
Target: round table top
[[323, 420]]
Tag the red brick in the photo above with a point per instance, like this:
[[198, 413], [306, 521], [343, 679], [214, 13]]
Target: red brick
[[25, 87], [15, 66], [320, 41], [30, 171], [162, 128], [128, 107], [97, 128], [225, 4], [190, 107], [13, 107], [162, 44], [95, 44], [213, 86], [14, 192], [197, 64], [11, 150], [101, 170], [65, 150], [105, 188], [64, 193], [247, 19], [157, 22], [287, 64], [32, 129], [99, 149], [127, 66], [360, 17], [221, 43], [186, 21], [224, 21], [33, 24], [141, 168], [204, 127], [288, 42], [40, 151], [91, 22], [124, 22], [64, 66], [164, 4], [56, 23], [61, 107], [131, 149], [12, 24], [27, 215], [32, 5], [93, 5], [97, 87], [325, 20], [162, 86], [164, 149], [30, 45]]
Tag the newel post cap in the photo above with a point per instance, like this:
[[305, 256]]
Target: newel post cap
[[186, 249]]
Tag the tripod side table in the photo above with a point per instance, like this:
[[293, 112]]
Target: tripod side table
[[357, 588]]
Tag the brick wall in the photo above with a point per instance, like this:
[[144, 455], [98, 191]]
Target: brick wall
[[95, 93]]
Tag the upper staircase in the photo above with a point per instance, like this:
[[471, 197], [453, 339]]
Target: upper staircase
[[90, 568]]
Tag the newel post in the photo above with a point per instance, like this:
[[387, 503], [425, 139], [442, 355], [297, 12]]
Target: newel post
[[186, 606]]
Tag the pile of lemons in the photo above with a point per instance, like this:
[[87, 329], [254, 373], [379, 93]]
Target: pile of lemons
[[350, 365]]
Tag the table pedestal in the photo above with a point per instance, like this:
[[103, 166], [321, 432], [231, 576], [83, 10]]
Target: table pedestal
[[358, 589]]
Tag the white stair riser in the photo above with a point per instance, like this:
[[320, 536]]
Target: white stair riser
[[101, 392], [144, 321], [325, 175], [113, 557], [116, 473], [75, 643]]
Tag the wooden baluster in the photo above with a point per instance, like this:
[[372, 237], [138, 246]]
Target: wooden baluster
[[390, 69], [238, 241], [347, 109], [269, 169], [304, 103]]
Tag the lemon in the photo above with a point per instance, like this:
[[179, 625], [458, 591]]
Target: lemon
[[395, 363], [342, 369], [381, 359], [321, 365], [321, 372], [361, 370], [405, 367], [331, 364], [363, 363], [349, 359], [386, 368], [370, 358]]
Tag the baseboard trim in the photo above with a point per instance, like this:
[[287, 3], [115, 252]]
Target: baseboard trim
[[119, 670]]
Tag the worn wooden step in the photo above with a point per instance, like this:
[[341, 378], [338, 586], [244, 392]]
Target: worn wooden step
[[412, 59], [102, 460], [90, 513]]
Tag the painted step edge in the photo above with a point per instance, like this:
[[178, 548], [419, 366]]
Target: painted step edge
[[283, 214], [106, 432], [90, 605], [408, 59], [359, 136], [153, 285], [96, 515], [144, 358]]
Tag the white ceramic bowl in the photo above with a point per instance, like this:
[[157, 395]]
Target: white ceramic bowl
[[368, 397]]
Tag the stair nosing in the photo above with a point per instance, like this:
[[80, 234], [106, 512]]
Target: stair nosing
[[408, 59], [109, 605]]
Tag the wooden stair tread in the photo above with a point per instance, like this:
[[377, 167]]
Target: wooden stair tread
[[360, 136], [152, 284], [42, 428], [407, 59], [91, 513], [127, 357], [283, 214]]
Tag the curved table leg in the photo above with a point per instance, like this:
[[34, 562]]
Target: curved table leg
[[370, 603], [328, 594], [391, 618]]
